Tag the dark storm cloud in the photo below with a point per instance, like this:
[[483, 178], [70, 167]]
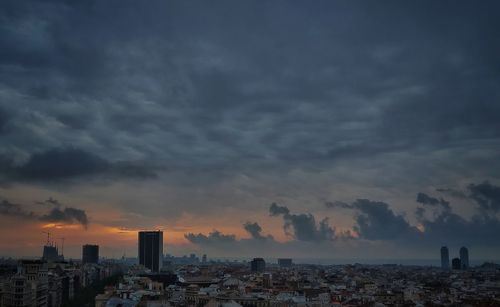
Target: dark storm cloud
[[276, 210], [376, 221], [57, 214], [67, 163], [486, 195], [60, 164], [214, 237], [303, 227], [449, 227], [256, 246], [9, 209], [67, 215], [427, 200], [177, 83], [255, 231], [373, 221], [432, 201]]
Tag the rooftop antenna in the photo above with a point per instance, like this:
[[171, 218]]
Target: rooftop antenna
[[48, 237], [62, 247]]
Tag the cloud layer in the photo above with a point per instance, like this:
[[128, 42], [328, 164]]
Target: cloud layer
[[165, 111], [64, 215], [187, 90], [303, 227]]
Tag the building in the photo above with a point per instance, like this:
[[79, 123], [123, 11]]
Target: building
[[445, 258], [51, 254], [90, 253], [204, 258], [36, 272], [258, 265], [151, 250], [285, 262], [18, 291], [464, 257], [54, 297], [267, 280], [68, 286], [455, 264]]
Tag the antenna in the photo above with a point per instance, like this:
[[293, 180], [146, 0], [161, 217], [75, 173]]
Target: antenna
[[48, 237], [62, 247]]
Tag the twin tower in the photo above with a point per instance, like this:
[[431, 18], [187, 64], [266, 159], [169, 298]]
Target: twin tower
[[461, 263]]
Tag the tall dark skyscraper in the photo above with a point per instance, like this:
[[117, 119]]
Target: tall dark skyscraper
[[151, 249], [464, 257], [90, 253], [445, 258], [258, 265]]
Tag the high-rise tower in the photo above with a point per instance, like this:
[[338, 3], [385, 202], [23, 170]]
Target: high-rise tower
[[258, 265], [151, 249], [445, 258], [90, 253], [464, 257]]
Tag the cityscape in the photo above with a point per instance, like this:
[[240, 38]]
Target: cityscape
[[249, 153], [156, 279]]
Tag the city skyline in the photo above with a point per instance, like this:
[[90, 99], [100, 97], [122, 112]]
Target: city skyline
[[323, 130], [148, 239]]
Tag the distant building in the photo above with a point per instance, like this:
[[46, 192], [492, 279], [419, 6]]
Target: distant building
[[445, 258], [151, 250], [464, 257], [258, 265], [267, 280], [51, 254], [204, 258], [285, 262], [455, 264], [90, 253]]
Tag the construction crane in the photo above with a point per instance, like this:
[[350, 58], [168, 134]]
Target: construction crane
[[62, 247], [48, 237]]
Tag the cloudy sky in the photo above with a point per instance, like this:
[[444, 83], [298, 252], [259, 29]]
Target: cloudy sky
[[323, 129]]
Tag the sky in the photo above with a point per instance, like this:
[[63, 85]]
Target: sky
[[321, 130]]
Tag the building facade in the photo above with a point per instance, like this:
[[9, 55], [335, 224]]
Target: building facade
[[18, 291], [90, 254], [258, 265], [464, 257], [445, 258], [150, 252]]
